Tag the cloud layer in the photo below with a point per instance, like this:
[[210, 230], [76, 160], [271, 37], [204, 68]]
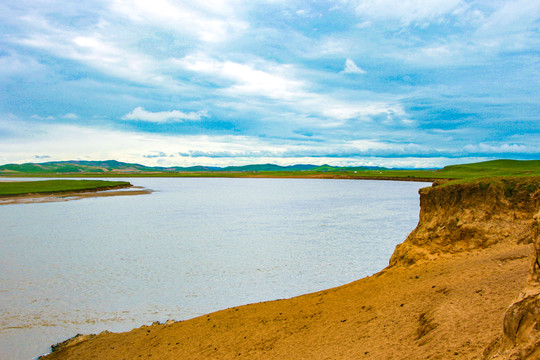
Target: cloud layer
[[227, 82], [141, 114]]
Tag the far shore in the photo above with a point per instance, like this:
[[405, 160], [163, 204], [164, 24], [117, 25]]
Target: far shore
[[71, 195], [266, 175]]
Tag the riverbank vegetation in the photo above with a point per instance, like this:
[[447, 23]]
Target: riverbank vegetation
[[17, 188]]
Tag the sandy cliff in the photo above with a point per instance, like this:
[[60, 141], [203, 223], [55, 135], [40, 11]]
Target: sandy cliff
[[521, 332], [470, 216], [445, 294]]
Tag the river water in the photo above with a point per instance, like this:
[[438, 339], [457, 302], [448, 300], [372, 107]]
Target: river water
[[193, 246]]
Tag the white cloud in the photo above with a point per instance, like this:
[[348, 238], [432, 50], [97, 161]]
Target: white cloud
[[278, 82], [208, 21], [98, 49], [140, 113], [500, 148], [352, 68], [512, 26], [406, 11], [71, 116], [512, 16], [38, 117], [15, 63], [331, 46], [344, 111], [270, 80]]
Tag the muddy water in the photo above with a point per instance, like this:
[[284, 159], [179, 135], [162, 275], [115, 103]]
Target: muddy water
[[191, 247]]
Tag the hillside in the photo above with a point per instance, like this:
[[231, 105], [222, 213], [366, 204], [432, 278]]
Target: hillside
[[112, 166], [115, 168], [493, 168]]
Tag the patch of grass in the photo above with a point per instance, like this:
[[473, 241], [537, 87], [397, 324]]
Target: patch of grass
[[493, 168], [56, 186]]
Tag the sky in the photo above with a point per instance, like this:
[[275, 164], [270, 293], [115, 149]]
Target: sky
[[395, 83]]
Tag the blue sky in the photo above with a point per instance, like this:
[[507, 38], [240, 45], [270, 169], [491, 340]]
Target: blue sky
[[399, 83]]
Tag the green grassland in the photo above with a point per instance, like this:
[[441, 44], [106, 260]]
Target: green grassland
[[494, 168], [465, 172], [56, 186], [110, 168]]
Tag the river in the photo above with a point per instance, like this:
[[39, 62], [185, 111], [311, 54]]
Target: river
[[193, 246]]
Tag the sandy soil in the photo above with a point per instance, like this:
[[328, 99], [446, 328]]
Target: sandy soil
[[449, 308], [66, 196]]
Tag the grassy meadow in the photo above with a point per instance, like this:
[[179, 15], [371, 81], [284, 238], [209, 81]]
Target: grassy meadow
[[56, 186]]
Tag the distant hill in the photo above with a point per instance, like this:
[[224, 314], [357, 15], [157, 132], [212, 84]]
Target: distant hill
[[117, 168], [269, 167], [113, 166], [69, 167]]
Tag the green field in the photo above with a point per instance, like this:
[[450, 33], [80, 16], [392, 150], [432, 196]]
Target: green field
[[465, 172], [495, 168], [56, 186]]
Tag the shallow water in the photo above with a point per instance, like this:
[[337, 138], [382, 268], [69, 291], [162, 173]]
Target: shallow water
[[194, 246]]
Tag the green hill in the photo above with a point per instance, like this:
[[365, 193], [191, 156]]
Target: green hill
[[69, 167], [493, 168], [107, 166], [268, 167]]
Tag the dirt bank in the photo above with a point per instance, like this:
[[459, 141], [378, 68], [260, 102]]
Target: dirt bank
[[445, 295]]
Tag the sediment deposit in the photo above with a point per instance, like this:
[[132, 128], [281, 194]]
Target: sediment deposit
[[461, 286]]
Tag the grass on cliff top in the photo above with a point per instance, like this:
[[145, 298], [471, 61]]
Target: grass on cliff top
[[56, 186], [493, 168], [493, 171]]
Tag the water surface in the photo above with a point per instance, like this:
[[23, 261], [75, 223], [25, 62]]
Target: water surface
[[194, 246]]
